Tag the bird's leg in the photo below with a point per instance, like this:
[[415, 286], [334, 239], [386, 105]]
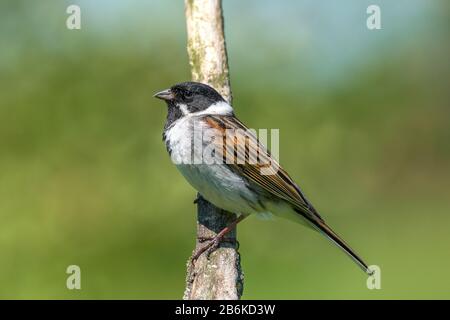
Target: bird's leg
[[214, 242]]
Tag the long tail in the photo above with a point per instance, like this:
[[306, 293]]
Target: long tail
[[323, 228]]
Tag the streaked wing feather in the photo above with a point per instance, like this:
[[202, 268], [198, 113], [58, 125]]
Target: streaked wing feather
[[278, 182], [275, 180]]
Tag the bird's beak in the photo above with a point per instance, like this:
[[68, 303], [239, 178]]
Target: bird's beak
[[164, 95]]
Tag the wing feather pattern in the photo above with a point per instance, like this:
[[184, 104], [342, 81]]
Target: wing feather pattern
[[275, 180], [246, 146]]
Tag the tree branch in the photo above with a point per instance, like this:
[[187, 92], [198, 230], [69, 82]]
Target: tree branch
[[220, 276]]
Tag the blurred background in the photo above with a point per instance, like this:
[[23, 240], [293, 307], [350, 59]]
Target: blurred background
[[364, 125]]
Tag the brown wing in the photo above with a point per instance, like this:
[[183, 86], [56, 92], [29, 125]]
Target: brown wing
[[251, 158], [245, 146]]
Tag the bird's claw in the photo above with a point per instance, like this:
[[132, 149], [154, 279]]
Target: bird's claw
[[211, 246], [224, 239]]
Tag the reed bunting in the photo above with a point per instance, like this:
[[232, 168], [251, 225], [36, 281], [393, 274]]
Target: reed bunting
[[246, 179]]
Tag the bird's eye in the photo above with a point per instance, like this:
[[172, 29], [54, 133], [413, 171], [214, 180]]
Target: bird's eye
[[188, 94]]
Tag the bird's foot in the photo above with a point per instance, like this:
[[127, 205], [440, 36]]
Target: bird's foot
[[215, 242], [223, 239], [211, 246]]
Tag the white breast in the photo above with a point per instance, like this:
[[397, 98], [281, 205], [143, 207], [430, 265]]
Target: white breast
[[179, 140], [221, 187], [216, 182], [180, 135]]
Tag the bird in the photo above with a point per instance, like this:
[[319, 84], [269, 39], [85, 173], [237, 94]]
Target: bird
[[240, 175]]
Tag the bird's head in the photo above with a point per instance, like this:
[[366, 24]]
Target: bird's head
[[194, 98]]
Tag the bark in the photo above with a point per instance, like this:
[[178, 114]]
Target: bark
[[219, 276]]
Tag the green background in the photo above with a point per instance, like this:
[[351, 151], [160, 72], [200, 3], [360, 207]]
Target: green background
[[364, 129]]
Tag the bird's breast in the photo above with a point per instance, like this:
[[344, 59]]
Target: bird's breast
[[219, 185], [179, 141], [216, 182]]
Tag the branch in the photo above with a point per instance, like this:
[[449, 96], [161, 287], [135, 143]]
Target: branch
[[220, 276]]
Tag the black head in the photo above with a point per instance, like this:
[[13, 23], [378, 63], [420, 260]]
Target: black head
[[189, 97], [194, 96]]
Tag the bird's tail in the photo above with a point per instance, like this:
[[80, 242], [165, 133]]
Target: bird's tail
[[323, 228]]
